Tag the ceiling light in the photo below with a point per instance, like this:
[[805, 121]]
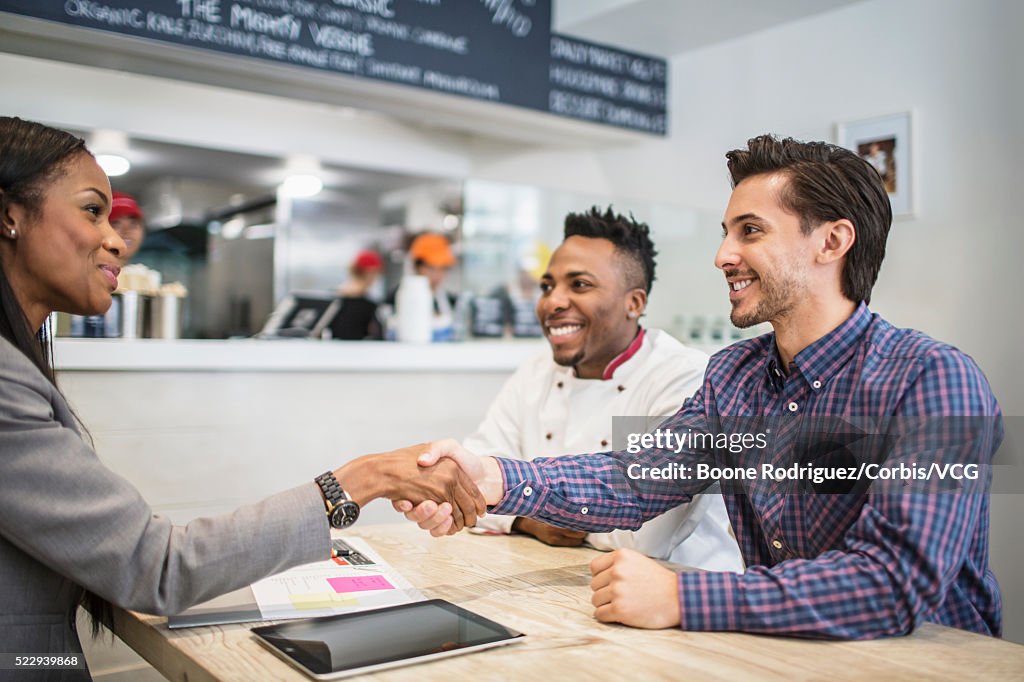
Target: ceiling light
[[110, 148], [302, 185], [113, 164], [303, 176]]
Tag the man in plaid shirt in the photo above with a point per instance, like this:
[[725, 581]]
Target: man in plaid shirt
[[803, 240]]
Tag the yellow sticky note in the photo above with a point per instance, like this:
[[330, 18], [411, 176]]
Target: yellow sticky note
[[322, 600]]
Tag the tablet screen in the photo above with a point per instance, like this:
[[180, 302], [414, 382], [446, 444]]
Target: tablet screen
[[369, 638]]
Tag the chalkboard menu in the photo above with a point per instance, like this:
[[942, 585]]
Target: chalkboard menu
[[600, 84], [495, 50]]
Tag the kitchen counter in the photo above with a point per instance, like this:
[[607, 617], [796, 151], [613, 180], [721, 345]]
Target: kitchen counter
[[289, 355]]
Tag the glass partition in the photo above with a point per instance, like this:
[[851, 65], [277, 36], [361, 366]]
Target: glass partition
[[508, 231]]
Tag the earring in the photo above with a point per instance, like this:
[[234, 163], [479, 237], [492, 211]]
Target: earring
[[14, 233], [632, 316]]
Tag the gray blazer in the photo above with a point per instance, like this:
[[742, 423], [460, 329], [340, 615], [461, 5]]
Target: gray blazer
[[66, 517]]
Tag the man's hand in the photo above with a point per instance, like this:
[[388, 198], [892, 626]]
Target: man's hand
[[632, 589], [398, 475], [482, 471], [549, 535]]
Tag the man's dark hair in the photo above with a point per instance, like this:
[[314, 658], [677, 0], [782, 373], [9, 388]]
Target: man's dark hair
[[632, 241], [826, 183]]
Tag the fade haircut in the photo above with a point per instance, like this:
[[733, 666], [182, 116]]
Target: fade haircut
[[632, 241], [826, 183]]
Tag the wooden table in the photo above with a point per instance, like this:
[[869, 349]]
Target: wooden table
[[544, 592]]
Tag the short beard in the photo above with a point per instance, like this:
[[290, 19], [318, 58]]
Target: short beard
[[569, 362], [776, 301]]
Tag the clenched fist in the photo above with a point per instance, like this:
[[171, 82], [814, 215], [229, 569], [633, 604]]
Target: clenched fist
[[632, 589]]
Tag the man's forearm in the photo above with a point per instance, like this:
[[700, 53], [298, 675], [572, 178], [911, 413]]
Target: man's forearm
[[584, 492]]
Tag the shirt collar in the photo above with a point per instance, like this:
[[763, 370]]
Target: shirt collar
[[622, 357], [823, 358]]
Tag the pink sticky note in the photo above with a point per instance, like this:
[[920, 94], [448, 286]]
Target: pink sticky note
[[360, 584]]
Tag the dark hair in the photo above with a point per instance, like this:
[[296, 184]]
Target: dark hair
[[33, 155], [826, 183], [632, 240]]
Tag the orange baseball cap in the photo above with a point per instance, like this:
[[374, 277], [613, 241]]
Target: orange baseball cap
[[433, 249]]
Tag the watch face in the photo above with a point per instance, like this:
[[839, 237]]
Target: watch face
[[345, 514]]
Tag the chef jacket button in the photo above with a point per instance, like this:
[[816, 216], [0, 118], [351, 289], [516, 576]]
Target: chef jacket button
[[560, 384], [604, 443], [548, 436], [621, 388]]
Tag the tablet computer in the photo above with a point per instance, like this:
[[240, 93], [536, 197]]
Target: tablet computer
[[355, 643]]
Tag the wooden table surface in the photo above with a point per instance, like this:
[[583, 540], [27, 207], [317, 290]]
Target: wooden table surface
[[544, 592]]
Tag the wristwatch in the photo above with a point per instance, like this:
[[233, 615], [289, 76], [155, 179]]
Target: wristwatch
[[342, 511]]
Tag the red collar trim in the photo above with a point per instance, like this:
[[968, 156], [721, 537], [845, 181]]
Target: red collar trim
[[623, 356]]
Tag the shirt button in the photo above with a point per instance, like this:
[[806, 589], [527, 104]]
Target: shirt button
[[816, 384], [776, 544], [793, 407], [527, 491], [584, 510]]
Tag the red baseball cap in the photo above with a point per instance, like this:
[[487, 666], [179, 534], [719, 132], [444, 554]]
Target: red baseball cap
[[124, 206], [368, 260]]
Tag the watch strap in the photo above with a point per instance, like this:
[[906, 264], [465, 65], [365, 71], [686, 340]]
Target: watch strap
[[332, 490]]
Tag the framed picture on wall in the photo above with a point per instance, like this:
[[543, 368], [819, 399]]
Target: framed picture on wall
[[884, 142]]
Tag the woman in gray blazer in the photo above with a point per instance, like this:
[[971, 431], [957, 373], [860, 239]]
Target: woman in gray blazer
[[71, 530]]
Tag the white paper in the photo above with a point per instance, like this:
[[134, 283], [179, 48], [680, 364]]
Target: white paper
[[325, 588]]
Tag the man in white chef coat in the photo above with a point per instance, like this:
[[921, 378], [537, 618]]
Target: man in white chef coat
[[603, 364]]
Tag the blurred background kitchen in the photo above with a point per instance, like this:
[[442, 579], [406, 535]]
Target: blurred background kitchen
[[259, 180]]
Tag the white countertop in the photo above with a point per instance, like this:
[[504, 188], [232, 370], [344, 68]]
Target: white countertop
[[289, 355]]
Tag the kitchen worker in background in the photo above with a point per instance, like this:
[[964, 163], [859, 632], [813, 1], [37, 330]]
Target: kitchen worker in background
[[127, 220], [602, 363], [71, 530], [803, 238], [431, 257], [357, 318]]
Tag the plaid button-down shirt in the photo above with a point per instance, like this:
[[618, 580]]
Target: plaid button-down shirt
[[856, 565]]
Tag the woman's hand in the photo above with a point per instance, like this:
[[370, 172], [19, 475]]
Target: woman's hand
[[440, 519], [404, 474]]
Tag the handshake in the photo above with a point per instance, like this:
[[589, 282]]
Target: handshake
[[441, 486]]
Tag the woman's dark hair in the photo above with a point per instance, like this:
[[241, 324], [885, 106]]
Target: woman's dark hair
[[32, 156], [632, 241], [826, 183]]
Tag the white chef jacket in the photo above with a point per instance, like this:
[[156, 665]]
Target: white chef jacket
[[544, 410]]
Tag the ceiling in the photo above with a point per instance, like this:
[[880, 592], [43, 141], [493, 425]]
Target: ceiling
[[666, 28], [246, 173]]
